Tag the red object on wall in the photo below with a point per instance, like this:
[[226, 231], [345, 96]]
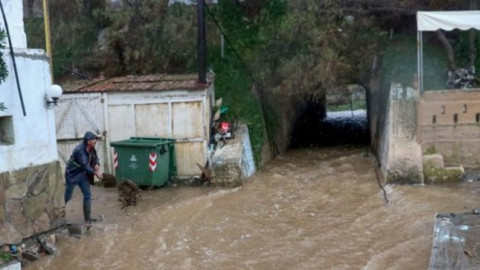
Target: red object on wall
[[225, 126]]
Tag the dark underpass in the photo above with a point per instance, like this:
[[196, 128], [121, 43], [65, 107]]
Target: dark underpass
[[316, 128]]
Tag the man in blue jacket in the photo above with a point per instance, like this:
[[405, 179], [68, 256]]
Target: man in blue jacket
[[81, 169]]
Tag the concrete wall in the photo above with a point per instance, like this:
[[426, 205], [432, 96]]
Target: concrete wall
[[409, 125], [398, 152], [449, 124], [14, 13], [233, 162]]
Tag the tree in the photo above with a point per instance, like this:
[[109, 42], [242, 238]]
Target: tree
[[450, 50], [316, 46]]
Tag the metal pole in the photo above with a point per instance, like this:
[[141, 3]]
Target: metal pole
[[222, 45], [420, 61], [48, 46], [13, 59], [202, 70]]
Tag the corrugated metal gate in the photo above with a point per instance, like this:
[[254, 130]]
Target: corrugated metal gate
[[76, 114]]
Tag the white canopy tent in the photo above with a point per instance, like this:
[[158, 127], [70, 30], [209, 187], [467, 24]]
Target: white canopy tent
[[445, 20]]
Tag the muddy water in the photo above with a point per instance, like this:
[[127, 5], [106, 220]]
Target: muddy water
[[308, 209]]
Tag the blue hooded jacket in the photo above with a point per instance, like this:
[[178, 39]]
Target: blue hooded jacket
[[81, 161]]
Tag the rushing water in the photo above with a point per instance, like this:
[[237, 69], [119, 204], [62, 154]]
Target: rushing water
[[308, 209]]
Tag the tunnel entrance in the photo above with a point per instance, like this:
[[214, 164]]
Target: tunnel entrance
[[337, 119]]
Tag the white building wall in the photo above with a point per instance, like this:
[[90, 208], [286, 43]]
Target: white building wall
[[34, 134], [34, 140], [32, 190], [14, 13]]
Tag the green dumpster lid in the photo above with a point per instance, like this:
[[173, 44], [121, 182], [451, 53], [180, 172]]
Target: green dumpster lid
[[143, 142]]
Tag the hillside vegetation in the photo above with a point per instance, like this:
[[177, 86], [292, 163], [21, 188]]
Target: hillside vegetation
[[277, 52]]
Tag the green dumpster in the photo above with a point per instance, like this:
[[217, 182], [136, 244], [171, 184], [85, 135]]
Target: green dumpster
[[147, 161]]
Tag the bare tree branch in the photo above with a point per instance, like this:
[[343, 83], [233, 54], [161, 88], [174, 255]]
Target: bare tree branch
[[448, 49], [473, 49]]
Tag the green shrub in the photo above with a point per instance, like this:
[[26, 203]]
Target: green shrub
[[5, 257], [3, 65]]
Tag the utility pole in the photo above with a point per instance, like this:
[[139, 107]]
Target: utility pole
[[48, 46], [202, 50]]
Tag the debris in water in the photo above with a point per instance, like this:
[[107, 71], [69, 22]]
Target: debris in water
[[30, 255], [206, 177], [128, 193], [469, 253]]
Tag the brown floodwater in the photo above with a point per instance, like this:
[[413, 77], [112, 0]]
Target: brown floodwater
[[307, 209]]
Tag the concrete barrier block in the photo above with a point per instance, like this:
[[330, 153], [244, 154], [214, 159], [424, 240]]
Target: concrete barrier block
[[433, 160], [443, 175], [233, 162], [13, 265]]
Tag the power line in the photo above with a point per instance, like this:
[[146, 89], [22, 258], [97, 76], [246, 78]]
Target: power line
[[230, 44], [260, 92]]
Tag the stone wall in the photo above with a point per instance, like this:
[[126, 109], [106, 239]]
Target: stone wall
[[449, 124], [31, 202]]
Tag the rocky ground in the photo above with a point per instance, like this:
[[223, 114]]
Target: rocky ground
[[106, 207]]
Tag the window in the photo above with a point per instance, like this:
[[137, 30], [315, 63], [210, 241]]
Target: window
[[7, 136]]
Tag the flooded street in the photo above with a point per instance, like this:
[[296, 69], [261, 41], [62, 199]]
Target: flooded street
[[308, 209]]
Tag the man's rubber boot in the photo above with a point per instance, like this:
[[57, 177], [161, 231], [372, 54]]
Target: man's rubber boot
[[87, 209]]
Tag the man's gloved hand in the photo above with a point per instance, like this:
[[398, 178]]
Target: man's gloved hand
[[98, 172]]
